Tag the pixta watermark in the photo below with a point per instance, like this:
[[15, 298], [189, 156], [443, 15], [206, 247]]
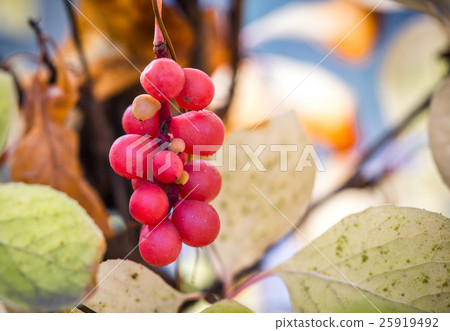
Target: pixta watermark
[[231, 157]]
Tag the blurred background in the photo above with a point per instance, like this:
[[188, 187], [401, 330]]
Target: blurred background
[[349, 71]]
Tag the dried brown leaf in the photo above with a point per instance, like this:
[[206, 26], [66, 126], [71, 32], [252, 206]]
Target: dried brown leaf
[[48, 153]]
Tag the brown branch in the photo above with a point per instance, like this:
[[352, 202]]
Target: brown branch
[[192, 11], [235, 23], [85, 309], [44, 57], [96, 135], [357, 180], [76, 38]]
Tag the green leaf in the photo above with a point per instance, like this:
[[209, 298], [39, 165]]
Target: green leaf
[[395, 257], [7, 100], [439, 130], [226, 306], [249, 222], [129, 287], [49, 248]]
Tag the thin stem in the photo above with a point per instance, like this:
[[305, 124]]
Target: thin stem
[[248, 282], [357, 180], [393, 132], [85, 309], [178, 277], [161, 26], [173, 194], [44, 57], [76, 38], [194, 268], [224, 275], [159, 38], [164, 119], [234, 29]]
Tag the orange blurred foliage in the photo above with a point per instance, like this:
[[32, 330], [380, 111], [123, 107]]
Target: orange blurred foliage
[[111, 27], [359, 31]]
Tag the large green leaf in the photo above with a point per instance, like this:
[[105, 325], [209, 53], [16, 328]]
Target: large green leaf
[[439, 130], [250, 223], [393, 258], [49, 248], [226, 306], [130, 287], [7, 100]]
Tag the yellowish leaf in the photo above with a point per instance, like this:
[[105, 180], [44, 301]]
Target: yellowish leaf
[[250, 197]]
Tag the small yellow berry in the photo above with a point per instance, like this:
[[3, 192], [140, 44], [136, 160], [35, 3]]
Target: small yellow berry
[[145, 106], [183, 179], [177, 145]]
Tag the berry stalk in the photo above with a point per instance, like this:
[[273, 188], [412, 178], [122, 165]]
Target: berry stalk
[[161, 44], [173, 194], [164, 122], [157, 167]]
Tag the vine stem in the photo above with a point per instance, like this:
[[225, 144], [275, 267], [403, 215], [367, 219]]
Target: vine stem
[[357, 180], [164, 119], [85, 309], [248, 282], [160, 28], [77, 39], [44, 56]]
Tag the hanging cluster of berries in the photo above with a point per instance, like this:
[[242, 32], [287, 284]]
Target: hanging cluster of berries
[[171, 195]]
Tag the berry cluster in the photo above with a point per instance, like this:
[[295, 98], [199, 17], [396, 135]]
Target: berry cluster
[[171, 195]]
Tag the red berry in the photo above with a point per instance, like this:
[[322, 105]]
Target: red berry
[[149, 204], [204, 181], [198, 90], [130, 155], [202, 131], [197, 222], [163, 79], [183, 157], [132, 125], [138, 182], [160, 245], [167, 167]]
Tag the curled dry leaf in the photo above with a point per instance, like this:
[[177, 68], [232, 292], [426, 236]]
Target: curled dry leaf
[[129, 287], [49, 248], [439, 130], [387, 258], [7, 97], [250, 223], [59, 99], [48, 153], [226, 306]]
